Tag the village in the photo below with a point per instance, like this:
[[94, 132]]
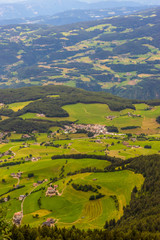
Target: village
[[96, 129]]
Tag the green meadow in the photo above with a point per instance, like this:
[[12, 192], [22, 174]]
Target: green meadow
[[98, 113], [72, 207]]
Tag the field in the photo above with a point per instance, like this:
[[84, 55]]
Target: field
[[108, 55], [71, 207], [143, 117], [31, 155], [18, 106]]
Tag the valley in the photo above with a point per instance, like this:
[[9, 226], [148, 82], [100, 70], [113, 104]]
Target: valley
[[81, 153], [79, 121], [104, 55]]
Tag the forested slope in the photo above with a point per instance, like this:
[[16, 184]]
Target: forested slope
[[120, 55]]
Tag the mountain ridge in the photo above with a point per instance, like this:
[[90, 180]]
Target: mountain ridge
[[50, 7]]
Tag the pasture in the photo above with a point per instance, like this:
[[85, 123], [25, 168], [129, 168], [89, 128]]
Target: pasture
[[72, 207], [144, 116]]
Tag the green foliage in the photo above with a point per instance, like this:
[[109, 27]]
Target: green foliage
[[129, 127], [158, 119], [27, 126], [112, 129], [81, 156], [30, 175], [84, 188], [6, 112], [143, 211], [5, 226], [148, 146], [95, 197], [114, 197]]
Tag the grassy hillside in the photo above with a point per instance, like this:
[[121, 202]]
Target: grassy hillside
[[118, 54], [64, 172], [41, 108], [81, 141]]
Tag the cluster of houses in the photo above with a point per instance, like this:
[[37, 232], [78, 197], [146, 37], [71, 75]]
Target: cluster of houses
[[27, 136], [130, 146], [16, 175], [52, 191], [96, 129], [33, 159], [133, 115]]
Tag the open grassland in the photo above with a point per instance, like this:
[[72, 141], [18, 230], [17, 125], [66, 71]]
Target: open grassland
[[72, 207], [143, 116], [97, 114], [18, 106], [75, 208]]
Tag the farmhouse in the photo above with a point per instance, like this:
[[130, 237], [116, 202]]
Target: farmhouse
[[39, 182], [26, 136], [21, 197], [16, 175], [13, 175], [133, 115], [49, 222], [34, 159], [110, 117], [35, 184], [52, 191], [17, 218], [40, 115]]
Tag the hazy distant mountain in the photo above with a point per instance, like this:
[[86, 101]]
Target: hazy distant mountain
[[34, 8], [74, 16]]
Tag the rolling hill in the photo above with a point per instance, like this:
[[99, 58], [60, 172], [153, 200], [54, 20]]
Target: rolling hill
[[118, 55], [75, 15], [78, 158]]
